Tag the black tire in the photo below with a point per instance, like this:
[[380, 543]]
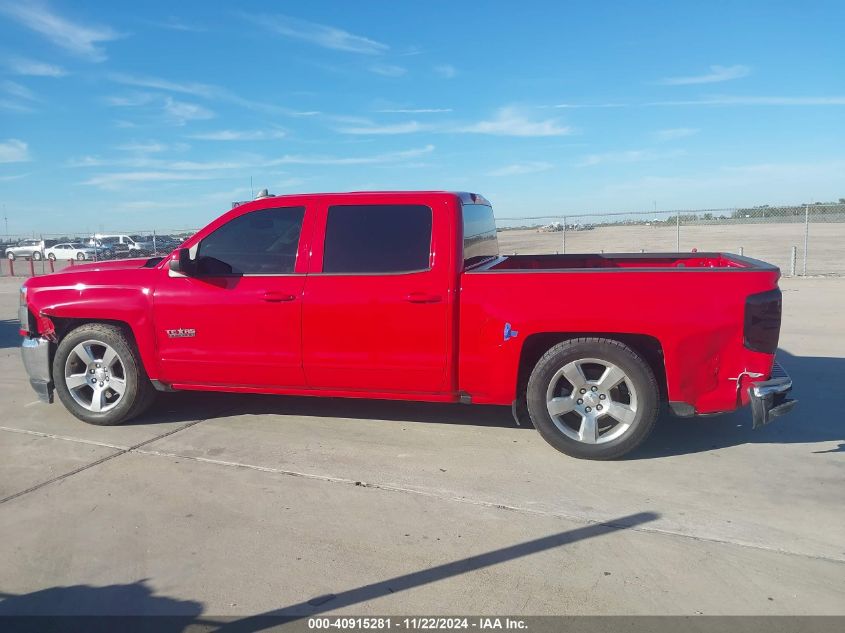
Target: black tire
[[36, 256], [636, 370], [51, 257], [80, 256], [139, 393], [10, 257]]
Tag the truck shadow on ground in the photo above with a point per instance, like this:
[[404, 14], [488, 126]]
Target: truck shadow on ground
[[138, 598], [811, 421]]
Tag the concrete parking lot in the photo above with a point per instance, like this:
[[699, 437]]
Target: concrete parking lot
[[216, 505]]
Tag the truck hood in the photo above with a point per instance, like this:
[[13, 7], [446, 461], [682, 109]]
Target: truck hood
[[116, 264]]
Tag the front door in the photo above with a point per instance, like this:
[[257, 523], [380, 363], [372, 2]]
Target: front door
[[375, 317], [235, 320]]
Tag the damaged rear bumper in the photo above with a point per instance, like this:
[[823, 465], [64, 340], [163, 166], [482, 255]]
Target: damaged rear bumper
[[36, 360], [769, 398]]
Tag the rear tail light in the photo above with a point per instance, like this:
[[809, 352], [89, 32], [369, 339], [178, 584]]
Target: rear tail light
[[762, 321]]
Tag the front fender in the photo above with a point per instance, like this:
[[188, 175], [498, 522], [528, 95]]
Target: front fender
[[124, 303]]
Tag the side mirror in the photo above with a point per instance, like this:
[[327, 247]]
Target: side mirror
[[182, 262]]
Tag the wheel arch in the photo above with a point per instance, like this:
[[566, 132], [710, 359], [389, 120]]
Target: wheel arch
[[63, 325], [646, 346]]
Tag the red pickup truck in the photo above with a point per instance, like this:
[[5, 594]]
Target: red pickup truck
[[405, 296]]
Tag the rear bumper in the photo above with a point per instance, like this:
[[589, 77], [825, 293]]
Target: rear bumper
[[36, 360], [769, 398]]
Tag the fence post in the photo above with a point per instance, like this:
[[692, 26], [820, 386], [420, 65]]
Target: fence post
[[52, 268], [678, 231], [806, 235], [11, 267], [564, 235], [741, 251], [31, 267], [792, 260]]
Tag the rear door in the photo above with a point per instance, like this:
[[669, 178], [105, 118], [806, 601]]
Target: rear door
[[377, 299]]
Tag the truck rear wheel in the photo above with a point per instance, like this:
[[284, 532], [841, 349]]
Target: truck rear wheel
[[99, 376], [593, 398]]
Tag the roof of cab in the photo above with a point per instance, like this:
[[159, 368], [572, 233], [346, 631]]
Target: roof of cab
[[465, 196]]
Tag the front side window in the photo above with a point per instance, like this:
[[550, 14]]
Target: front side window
[[377, 238], [260, 242]]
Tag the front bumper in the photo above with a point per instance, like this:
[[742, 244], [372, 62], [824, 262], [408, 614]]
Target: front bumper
[[36, 360], [769, 397]]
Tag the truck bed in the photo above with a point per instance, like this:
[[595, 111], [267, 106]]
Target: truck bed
[[626, 261]]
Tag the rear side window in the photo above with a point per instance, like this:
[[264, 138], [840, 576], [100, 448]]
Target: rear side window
[[480, 240], [377, 238], [260, 242]]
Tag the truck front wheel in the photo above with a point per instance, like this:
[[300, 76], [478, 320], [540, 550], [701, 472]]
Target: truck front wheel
[[99, 376], [593, 398]]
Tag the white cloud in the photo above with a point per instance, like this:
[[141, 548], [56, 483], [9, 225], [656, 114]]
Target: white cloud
[[205, 91], [15, 89], [388, 70], [590, 105], [173, 23], [239, 135], [151, 147], [447, 71], [180, 112], [14, 151], [14, 106], [510, 122], [12, 177], [79, 39], [32, 68], [408, 127], [186, 87], [739, 185], [517, 169], [115, 180], [130, 101], [353, 160], [715, 75], [755, 101], [414, 110], [319, 34], [673, 134], [626, 156]]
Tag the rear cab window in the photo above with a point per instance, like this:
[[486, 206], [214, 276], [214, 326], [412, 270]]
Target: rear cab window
[[480, 240]]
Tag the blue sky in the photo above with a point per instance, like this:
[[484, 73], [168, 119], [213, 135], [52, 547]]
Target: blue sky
[[150, 115]]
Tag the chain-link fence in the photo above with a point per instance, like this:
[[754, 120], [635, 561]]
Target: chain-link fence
[[801, 240]]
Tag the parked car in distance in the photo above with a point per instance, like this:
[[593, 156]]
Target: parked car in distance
[[405, 296], [26, 249], [164, 244], [70, 250], [122, 245]]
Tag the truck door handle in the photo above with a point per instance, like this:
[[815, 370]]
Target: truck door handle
[[422, 297], [278, 297]]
